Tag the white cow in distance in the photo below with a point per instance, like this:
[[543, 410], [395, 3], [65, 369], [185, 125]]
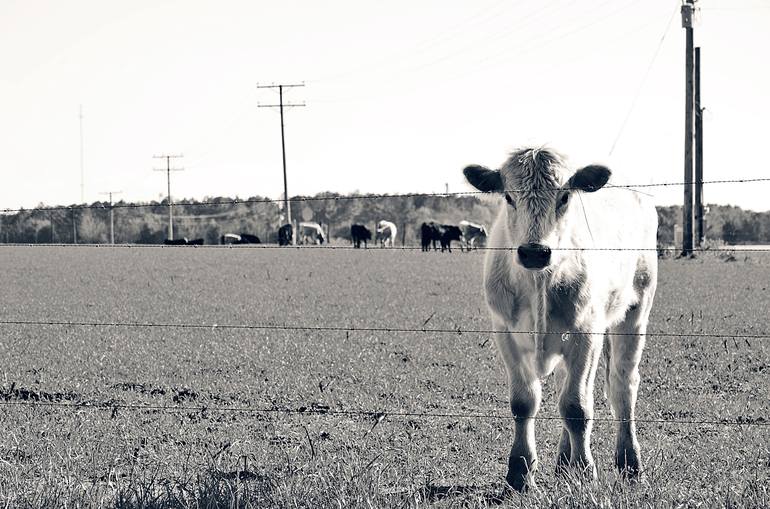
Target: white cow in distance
[[472, 232], [386, 234], [539, 278], [310, 233]]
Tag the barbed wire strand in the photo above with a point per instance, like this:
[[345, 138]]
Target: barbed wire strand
[[339, 328], [378, 414], [119, 205], [732, 250]]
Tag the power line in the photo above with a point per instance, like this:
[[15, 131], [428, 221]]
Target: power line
[[320, 328], [644, 79], [376, 196], [377, 414]]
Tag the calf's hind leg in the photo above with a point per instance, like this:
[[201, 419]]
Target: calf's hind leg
[[626, 344]]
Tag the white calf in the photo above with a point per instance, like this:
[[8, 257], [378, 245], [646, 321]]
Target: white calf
[[310, 233], [386, 234], [472, 232], [543, 281]]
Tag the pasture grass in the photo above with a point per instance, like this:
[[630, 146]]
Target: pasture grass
[[181, 455]]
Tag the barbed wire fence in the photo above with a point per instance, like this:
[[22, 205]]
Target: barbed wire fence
[[16, 228], [8, 401], [50, 401]]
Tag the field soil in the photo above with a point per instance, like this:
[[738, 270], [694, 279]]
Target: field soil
[[193, 412]]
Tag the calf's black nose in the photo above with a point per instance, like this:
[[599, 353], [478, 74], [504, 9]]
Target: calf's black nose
[[534, 256]]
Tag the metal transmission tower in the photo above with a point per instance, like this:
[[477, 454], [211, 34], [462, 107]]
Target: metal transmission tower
[[688, 8], [168, 169], [281, 106], [112, 219]]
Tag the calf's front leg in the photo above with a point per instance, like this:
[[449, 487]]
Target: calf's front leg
[[576, 402], [525, 394]]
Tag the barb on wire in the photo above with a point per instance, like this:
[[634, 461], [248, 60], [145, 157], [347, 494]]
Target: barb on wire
[[376, 414], [356, 197], [733, 249], [339, 328]]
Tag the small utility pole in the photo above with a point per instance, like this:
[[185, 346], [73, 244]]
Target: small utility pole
[[74, 227], [687, 17], [82, 171], [168, 169], [698, 155], [281, 106], [112, 219]]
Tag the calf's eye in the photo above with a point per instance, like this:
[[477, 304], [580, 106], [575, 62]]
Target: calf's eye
[[564, 199], [508, 199]]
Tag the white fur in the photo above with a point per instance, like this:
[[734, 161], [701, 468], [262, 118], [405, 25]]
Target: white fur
[[578, 294], [472, 232], [309, 233], [386, 234]]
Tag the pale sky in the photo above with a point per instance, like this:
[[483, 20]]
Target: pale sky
[[401, 95]]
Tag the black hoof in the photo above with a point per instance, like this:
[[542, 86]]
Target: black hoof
[[628, 465], [519, 472]]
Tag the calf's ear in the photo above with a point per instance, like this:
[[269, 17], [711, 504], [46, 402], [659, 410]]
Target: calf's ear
[[483, 179], [589, 179]]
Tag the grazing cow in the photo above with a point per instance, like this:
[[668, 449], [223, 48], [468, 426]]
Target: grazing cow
[[541, 278], [471, 232], [195, 242], [175, 242], [358, 233], [247, 238], [429, 235], [230, 238], [386, 233], [310, 233], [285, 235], [448, 233]]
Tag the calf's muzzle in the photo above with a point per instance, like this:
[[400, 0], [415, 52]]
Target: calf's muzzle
[[534, 256]]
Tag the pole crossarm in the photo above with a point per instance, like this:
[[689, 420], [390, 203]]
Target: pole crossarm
[[285, 105], [281, 85]]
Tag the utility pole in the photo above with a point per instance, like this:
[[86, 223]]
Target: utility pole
[[112, 219], [698, 155], [281, 106], [74, 228], [53, 231], [687, 18], [82, 171], [168, 169]]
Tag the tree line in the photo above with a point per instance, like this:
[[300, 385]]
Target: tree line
[[210, 218]]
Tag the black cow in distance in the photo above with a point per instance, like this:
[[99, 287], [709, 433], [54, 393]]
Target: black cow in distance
[[448, 233], [358, 233], [175, 242], [429, 235], [285, 234]]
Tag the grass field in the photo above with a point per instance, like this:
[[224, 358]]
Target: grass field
[[224, 455]]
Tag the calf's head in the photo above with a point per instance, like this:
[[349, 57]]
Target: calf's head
[[538, 191]]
